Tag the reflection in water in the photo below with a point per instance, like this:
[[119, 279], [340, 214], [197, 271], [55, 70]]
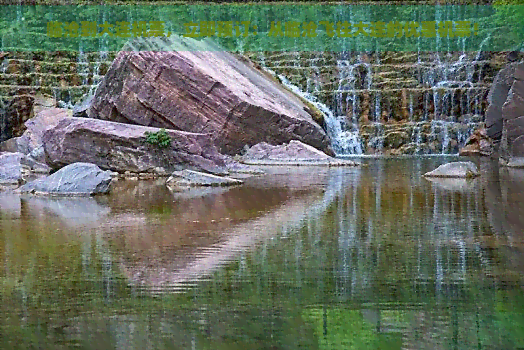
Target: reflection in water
[[311, 258]]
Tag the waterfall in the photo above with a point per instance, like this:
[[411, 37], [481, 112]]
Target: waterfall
[[344, 139], [393, 102]]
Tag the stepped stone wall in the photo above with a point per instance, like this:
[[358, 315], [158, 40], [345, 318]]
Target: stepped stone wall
[[400, 102], [64, 76]]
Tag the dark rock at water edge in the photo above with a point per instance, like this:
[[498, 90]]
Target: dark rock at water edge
[[81, 179], [14, 112], [123, 147], [497, 97], [184, 84], [505, 115], [81, 108]]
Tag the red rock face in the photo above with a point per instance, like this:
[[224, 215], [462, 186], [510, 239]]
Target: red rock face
[[505, 115], [210, 92], [123, 147]]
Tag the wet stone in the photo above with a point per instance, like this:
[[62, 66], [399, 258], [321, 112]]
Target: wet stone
[[455, 169]]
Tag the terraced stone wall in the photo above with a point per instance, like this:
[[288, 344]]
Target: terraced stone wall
[[399, 103]]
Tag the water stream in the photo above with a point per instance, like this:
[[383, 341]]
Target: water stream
[[364, 258]]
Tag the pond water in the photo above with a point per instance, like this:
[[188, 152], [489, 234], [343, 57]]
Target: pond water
[[306, 258]]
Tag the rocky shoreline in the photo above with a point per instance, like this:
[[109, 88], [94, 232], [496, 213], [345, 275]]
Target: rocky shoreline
[[205, 118], [160, 113]]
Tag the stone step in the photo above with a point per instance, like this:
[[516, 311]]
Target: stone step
[[14, 66], [459, 72], [72, 94], [415, 90], [56, 56], [47, 79]]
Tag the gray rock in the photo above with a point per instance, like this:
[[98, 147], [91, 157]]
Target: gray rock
[[75, 179], [497, 97], [455, 169], [15, 167], [10, 169], [513, 162], [187, 178], [122, 147], [293, 153], [80, 109], [191, 85]]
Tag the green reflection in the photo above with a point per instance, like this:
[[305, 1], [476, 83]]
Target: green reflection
[[385, 265]]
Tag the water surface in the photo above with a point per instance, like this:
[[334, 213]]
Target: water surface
[[301, 258]]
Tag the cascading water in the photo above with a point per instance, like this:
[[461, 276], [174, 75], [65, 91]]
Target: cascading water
[[345, 140], [416, 102], [409, 103]]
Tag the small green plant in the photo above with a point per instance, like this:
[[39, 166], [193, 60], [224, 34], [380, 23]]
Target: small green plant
[[159, 138]]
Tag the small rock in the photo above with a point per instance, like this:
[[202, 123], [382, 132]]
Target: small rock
[[15, 166], [75, 179], [514, 162], [477, 144], [10, 169], [293, 153], [80, 109], [455, 169], [186, 178]]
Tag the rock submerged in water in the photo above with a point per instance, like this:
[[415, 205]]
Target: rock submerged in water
[[188, 178], [293, 153], [455, 169], [184, 84], [78, 179]]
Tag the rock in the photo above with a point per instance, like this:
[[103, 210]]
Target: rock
[[497, 97], [237, 168], [13, 114], [30, 143], [293, 153], [395, 139], [122, 147], [80, 109], [186, 178], [10, 169], [455, 169], [185, 84], [478, 144], [15, 167], [517, 162], [511, 116], [75, 179], [512, 143]]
